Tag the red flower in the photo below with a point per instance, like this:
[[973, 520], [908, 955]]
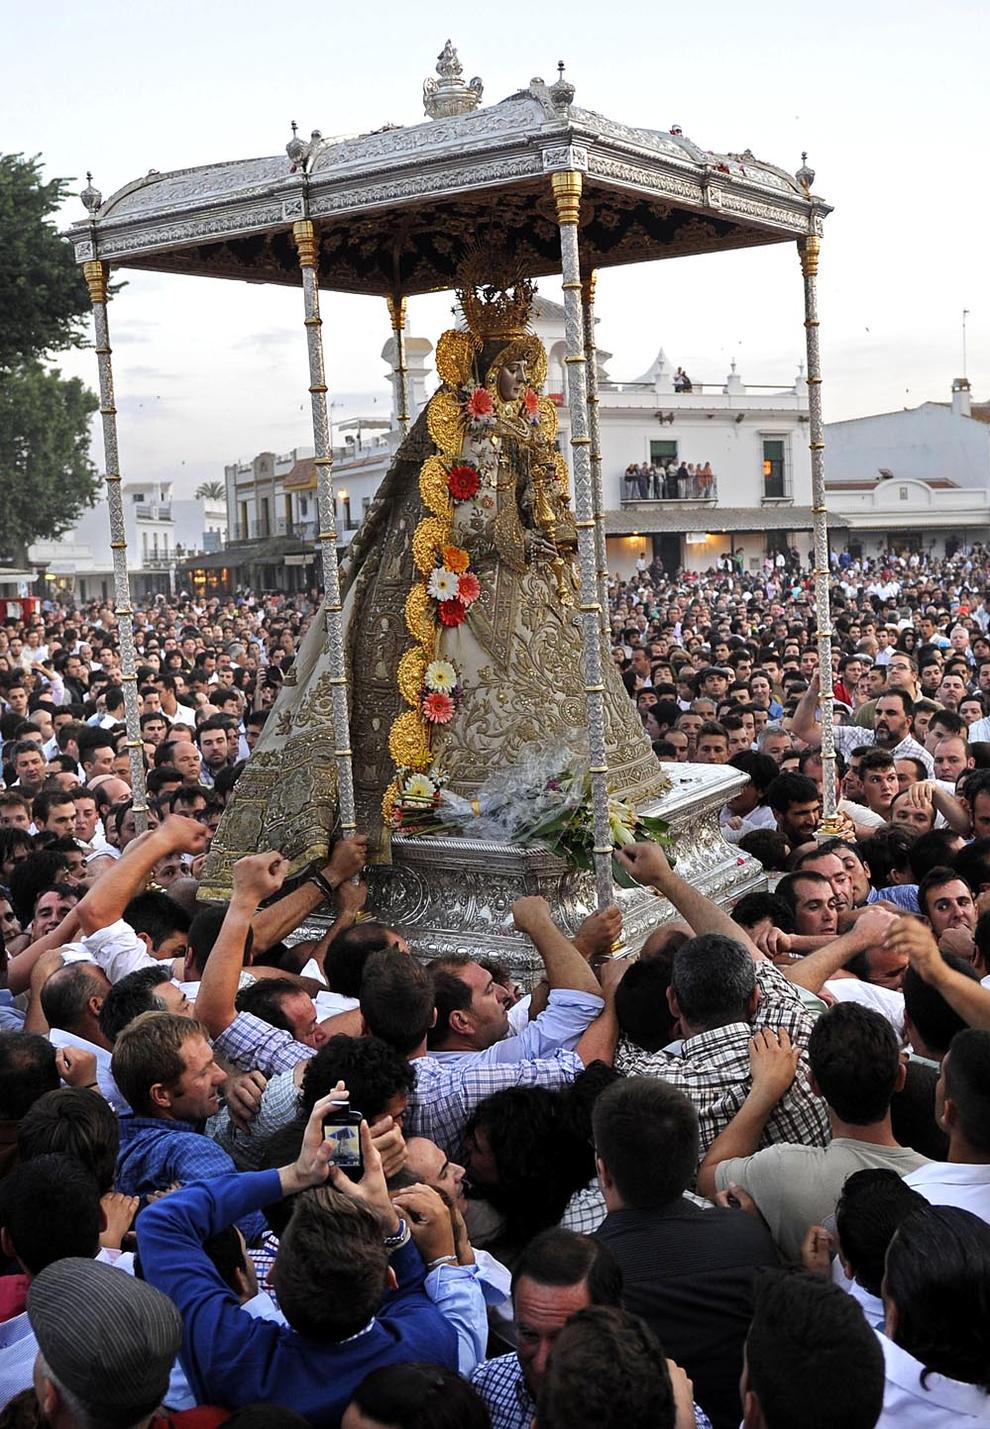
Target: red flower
[[480, 403], [451, 612], [463, 482], [531, 403], [438, 708], [468, 587]]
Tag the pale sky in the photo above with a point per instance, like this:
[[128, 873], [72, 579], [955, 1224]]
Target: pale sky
[[887, 96]]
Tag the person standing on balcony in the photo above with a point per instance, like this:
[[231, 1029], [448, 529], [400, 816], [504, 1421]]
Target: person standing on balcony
[[706, 481], [643, 480], [680, 490], [658, 473]]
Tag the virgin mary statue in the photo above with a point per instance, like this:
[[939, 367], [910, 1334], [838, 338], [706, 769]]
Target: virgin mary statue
[[462, 631]]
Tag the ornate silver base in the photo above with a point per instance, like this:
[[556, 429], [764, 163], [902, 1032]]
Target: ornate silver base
[[455, 895]]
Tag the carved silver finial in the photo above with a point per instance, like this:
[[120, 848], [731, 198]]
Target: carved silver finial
[[91, 197], [297, 148], [561, 93], [448, 96], [805, 175]]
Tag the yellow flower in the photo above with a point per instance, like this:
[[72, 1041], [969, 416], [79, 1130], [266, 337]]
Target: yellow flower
[[456, 559]]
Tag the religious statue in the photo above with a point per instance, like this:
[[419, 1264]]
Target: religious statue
[[462, 629]]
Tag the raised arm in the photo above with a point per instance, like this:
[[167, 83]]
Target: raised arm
[[564, 964], [19, 968], [805, 724], [106, 900], [964, 995], [272, 924], [648, 864], [256, 877]]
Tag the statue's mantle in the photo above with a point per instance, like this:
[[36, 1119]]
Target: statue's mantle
[[455, 895]]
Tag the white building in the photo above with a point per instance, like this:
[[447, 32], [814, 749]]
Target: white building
[[200, 524], [915, 480], [80, 563]]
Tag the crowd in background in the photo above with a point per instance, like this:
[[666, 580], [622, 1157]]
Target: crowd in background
[[250, 1174]]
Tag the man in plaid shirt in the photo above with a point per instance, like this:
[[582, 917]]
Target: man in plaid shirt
[[723, 990]]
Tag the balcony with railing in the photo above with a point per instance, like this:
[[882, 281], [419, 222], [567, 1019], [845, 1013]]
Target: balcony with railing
[[693, 491], [152, 510]]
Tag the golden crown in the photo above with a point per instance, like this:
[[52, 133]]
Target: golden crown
[[495, 304]]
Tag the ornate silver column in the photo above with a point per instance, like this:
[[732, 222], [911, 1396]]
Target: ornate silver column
[[96, 274], [305, 240], [397, 315], [591, 383], [809, 249], [567, 196]]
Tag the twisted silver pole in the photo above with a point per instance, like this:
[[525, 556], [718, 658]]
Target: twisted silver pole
[[591, 382], [567, 195], [305, 240], [96, 274], [809, 249]]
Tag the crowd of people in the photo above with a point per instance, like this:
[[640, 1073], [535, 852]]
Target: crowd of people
[[253, 1176], [669, 481]]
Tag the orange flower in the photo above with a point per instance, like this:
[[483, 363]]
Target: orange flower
[[479, 404], [531, 403], [456, 559]]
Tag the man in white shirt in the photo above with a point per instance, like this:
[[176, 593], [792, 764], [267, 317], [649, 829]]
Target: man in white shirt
[[962, 1100]]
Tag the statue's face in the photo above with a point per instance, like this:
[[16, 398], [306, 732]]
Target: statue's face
[[512, 380]]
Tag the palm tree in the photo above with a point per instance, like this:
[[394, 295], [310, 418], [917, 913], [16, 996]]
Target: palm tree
[[211, 490]]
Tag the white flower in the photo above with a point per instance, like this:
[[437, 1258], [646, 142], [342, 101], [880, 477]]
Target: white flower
[[621, 822], [443, 584], [440, 676], [419, 786]]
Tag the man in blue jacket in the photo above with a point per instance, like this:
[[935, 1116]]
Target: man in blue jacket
[[363, 1281]]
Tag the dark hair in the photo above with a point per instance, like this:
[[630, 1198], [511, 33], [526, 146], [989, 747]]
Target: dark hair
[[937, 1274], [812, 1358], [372, 1071], [420, 1396], [788, 789], [450, 994], [967, 1084], [713, 980], [263, 999], [560, 1257], [347, 954], [34, 875], [73, 1121], [931, 850], [46, 801], [27, 1071], [931, 1016], [157, 915], [66, 993], [131, 996], [854, 1057], [767, 846], [761, 769], [50, 1208], [871, 1206], [205, 929], [331, 1266], [753, 907], [641, 1002], [396, 999], [606, 1370], [646, 1132]]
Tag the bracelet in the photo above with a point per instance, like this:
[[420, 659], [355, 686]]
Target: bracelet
[[443, 1260], [324, 885], [398, 1238]]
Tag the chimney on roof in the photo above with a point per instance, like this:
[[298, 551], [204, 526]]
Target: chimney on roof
[[961, 397]]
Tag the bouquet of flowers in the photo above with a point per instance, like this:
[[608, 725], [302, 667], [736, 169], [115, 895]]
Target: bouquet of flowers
[[544, 798]]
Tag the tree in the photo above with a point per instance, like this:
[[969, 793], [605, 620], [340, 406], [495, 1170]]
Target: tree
[[211, 490], [46, 476]]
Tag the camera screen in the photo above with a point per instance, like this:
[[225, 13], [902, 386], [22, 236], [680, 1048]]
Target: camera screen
[[345, 1143]]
